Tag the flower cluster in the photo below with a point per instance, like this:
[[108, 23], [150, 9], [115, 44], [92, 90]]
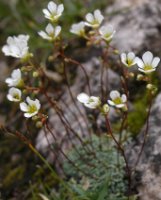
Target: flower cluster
[[92, 102], [94, 21], [16, 83], [147, 64], [17, 47], [53, 12]]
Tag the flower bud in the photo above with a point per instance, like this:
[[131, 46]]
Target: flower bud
[[150, 86], [39, 124], [105, 109], [35, 74], [140, 77]]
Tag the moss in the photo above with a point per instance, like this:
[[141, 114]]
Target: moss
[[137, 117]]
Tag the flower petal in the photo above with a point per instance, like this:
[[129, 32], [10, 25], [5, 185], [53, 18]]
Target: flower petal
[[123, 98], [49, 29], [60, 9], [89, 17], [147, 57], [139, 62], [57, 30], [114, 94], [111, 103], [155, 62], [98, 16], [23, 107], [131, 55], [83, 98], [52, 7]]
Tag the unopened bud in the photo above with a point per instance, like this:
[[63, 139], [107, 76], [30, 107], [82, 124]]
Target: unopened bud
[[116, 52], [34, 118], [140, 77], [39, 124], [105, 109], [150, 86], [35, 74], [131, 74]]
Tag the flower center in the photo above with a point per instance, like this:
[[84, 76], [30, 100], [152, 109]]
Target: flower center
[[32, 108], [147, 67], [16, 96], [129, 61], [118, 100], [95, 22]]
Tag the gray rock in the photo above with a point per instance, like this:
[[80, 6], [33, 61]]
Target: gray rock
[[137, 24], [148, 169], [79, 123]]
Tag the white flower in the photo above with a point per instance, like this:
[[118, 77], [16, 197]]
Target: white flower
[[107, 32], [148, 63], [51, 33], [30, 108], [54, 11], [94, 20], [15, 79], [17, 46], [128, 59], [117, 100], [14, 94], [89, 101], [78, 28]]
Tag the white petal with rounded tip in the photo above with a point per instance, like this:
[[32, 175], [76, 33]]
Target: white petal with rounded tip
[[23, 107], [60, 9], [9, 97], [52, 7], [155, 62], [111, 103], [13, 90], [28, 115], [16, 74], [57, 30], [49, 29], [30, 101], [46, 13], [77, 28], [98, 16], [89, 17], [123, 57], [120, 105], [44, 35], [114, 94], [123, 98], [147, 57], [83, 98], [139, 62], [131, 55]]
